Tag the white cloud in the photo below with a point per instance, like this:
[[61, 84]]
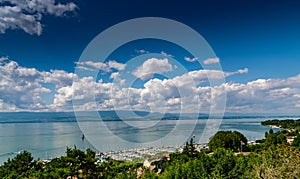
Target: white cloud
[[116, 77], [241, 71], [59, 77], [183, 88], [152, 66], [27, 14], [190, 59], [20, 87], [116, 65], [245, 98], [91, 65], [3, 59], [23, 88], [84, 68], [83, 91], [201, 76], [174, 101], [245, 70], [264, 95], [142, 51], [105, 67], [166, 54], [211, 61]]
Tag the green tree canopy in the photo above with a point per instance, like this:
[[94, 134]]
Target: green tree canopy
[[18, 166], [228, 140]]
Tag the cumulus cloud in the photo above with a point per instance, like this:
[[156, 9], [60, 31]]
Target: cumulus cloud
[[105, 67], [59, 78], [3, 59], [83, 91], [264, 95], [152, 66], [188, 59], [211, 61], [174, 101], [23, 88], [185, 88], [20, 87], [116, 77], [116, 65], [27, 14], [157, 95]]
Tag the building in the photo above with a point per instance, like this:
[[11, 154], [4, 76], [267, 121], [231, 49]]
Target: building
[[290, 139]]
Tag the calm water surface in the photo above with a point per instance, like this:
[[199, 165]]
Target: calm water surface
[[49, 138]]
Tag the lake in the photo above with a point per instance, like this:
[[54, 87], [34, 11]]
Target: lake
[[47, 135]]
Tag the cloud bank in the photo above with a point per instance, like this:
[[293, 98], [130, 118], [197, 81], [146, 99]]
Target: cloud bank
[[25, 88]]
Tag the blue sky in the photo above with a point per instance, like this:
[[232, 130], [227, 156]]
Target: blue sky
[[261, 36]]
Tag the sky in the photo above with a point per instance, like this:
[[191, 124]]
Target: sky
[[256, 45]]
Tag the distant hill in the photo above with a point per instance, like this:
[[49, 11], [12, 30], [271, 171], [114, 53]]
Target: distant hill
[[30, 117], [36, 117]]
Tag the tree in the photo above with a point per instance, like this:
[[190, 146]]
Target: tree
[[189, 149], [228, 140], [18, 166], [224, 162], [281, 161], [274, 139], [296, 141], [193, 168]]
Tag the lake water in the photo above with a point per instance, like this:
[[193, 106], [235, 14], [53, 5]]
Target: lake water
[[48, 135]]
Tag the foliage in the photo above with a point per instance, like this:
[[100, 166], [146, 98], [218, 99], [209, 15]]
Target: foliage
[[296, 141], [228, 140], [189, 149], [76, 164], [222, 164], [275, 139], [280, 162], [285, 124], [18, 167], [183, 166]]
